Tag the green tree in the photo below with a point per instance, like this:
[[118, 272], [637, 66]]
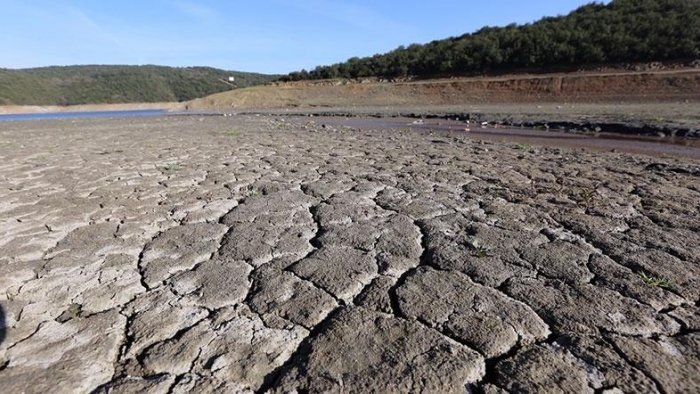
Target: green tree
[[621, 31]]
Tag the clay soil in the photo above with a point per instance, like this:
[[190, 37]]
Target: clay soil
[[248, 253]]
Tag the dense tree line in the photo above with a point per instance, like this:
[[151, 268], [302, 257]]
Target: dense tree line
[[623, 31], [116, 84]]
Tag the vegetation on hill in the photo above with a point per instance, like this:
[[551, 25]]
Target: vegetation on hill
[[623, 31], [73, 85]]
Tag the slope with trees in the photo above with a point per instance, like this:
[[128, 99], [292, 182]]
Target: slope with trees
[[623, 31], [71, 85]]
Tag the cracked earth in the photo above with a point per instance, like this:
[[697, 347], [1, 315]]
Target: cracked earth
[[250, 254]]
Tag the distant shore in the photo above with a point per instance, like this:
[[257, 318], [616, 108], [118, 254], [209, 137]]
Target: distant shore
[[36, 109]]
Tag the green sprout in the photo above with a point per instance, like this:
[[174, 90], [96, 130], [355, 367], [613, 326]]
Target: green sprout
[[588, 197], [479, 250], [654, 281], [523, 147]]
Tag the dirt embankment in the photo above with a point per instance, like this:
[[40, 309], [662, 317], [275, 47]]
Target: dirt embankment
[[591, 87]]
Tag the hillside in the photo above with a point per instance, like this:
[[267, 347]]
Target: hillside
[[74, 85], [623, 31]]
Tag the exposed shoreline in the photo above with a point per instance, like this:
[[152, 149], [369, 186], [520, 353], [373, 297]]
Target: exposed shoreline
[[649, 103], [684, 122], [650, 119]]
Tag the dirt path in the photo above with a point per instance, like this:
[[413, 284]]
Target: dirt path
[[247, 254]]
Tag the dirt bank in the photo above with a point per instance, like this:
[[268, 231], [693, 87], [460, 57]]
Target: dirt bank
[[589, 87], [652, 103]]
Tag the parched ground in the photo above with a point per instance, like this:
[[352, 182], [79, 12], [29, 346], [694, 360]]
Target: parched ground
[[245, 254]]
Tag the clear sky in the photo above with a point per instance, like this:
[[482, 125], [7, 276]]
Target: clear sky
[[269, 36]]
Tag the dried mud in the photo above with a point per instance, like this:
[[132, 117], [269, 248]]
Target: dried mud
[[250, 254]]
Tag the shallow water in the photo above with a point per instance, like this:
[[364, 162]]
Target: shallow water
[[83, 114]]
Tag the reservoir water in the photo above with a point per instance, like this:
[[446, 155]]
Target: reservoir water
[[86, 114]]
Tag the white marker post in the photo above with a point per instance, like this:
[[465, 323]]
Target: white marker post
[[229, 82]]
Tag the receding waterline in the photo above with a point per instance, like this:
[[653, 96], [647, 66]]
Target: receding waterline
[[83, 114]]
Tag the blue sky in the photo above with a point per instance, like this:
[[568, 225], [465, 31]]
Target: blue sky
[[269, 36]]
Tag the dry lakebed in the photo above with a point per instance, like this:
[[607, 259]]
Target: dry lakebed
[[187, 254]]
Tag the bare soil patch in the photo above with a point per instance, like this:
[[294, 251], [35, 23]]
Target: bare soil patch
[[251, 254]]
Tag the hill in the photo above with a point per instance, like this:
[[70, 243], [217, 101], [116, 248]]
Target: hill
[[623, 31], [74, 85]]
